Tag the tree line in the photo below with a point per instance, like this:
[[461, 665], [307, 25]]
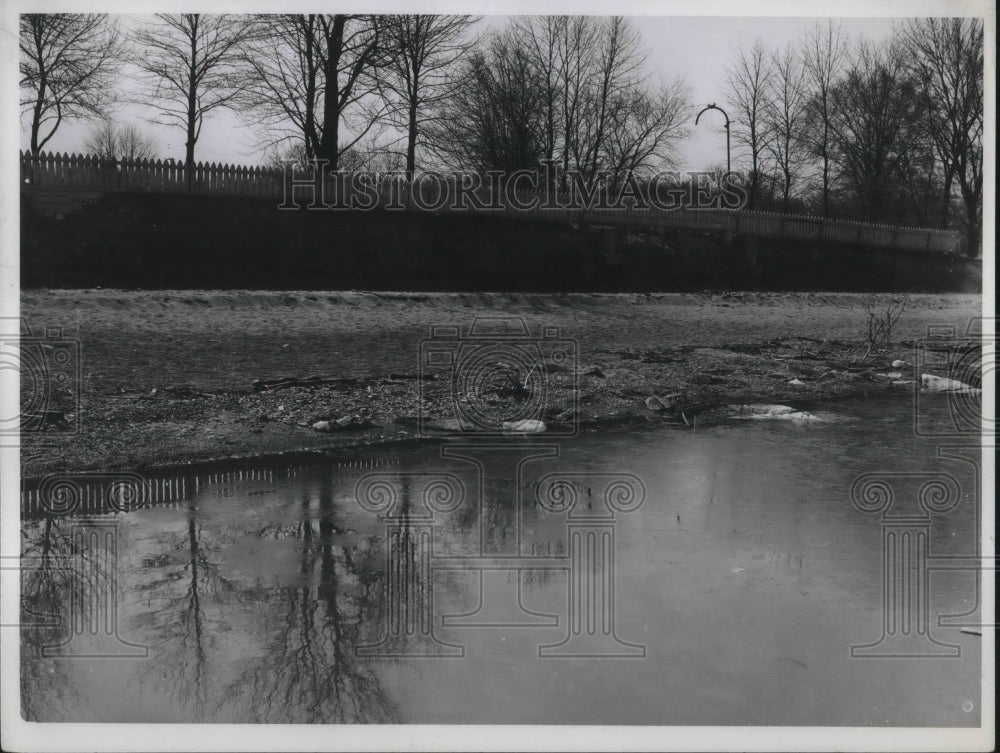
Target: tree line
[[883, 132], [887, 132]]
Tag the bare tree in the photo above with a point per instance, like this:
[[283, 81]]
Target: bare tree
[[188, 60], [600, 114], [494, 119], [577, 38], [571, 89], [824, 51], [304, 76], [876, 113], [421, 52], [544, 37], [102, 140], [946, 57], [592, 84], [920, 182], [785, 115], [67, 67], [281, 78], [352, 55], [372, 156], [110, 141], [749, 82], [563, 52], [291, 155], [643, 130], [617, 62]]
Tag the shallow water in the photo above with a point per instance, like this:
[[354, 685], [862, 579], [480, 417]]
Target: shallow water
[[725, 583]]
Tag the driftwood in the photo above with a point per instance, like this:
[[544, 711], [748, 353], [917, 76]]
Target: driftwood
[[343, 383], [403, 378], [261, 385]]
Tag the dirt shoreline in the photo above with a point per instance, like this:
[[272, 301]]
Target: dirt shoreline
[[166, 377]]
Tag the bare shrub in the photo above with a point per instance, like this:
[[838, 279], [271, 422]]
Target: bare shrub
[[877, 334]]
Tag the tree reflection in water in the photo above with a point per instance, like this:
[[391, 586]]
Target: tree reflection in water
[[225, 646], [307, 670], [182, 638], [47, 582]]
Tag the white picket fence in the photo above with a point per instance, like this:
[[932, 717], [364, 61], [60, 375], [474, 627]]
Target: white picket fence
[[87, 173]]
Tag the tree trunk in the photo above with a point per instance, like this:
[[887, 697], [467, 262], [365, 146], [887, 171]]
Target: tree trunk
[[34, 136], [971, 198], [826, 184], [411, 138], [36, 120], [946, 198], [327, 150], [192, 108]]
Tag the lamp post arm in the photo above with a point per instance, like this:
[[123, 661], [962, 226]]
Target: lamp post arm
[[713, 106]]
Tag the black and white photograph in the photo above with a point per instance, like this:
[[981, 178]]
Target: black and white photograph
[[503, 377]]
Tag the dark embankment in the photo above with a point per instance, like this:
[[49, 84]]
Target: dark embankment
[[162, 241]]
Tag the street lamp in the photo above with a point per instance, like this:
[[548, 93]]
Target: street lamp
[[713, 106]]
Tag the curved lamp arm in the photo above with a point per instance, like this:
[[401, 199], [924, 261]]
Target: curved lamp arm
[[713, 106]]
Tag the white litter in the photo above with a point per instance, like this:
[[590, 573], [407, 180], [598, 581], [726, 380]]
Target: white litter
[[932, 383], [525, 426], [763, 411]]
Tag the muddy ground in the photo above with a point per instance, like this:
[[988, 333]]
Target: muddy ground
[[168, 376]]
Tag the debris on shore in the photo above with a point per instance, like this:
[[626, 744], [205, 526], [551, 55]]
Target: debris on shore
[[931, 383]]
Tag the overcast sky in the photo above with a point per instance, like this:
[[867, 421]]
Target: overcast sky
[[694, 48]]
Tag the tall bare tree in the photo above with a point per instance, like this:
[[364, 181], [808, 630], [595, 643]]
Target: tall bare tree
[[946, 56], [420, 55], [876, 114], [644, 129], [577, 39], [749, 81], [305, 76], [785, 115], [494, 119], [281, 78], [567, 89], [544, 37], [601, 114], [67, 67], [563, 51], [188, 59], [824, 52], [617, 62], [353, 53]]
